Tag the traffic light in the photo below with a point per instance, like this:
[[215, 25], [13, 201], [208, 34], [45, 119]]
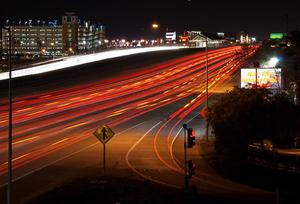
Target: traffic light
[[191, 168], [191, 137]]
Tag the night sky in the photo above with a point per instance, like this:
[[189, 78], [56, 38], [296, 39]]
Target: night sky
[[132, 19]]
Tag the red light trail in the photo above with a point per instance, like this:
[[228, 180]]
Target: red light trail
[[48, 122]]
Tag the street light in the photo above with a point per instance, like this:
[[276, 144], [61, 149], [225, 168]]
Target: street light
[[273, 62], [155, 26], [9, 162]]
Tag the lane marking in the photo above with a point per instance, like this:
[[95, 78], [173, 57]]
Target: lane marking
[[136, 171]]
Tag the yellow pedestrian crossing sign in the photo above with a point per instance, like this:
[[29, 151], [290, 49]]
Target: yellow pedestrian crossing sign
[[104, 134]]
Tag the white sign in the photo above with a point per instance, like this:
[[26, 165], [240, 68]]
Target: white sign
[[171, 36]]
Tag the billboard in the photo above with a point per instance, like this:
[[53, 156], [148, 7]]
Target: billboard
[[269, 78], [276, 36]]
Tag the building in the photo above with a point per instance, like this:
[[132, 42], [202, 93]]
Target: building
[[41, 38], [202, 40], [28, 39], [70, 30]]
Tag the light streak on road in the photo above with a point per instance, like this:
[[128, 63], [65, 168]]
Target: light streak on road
[[80, 60], [60, 141], [25, 140], [66, 116]]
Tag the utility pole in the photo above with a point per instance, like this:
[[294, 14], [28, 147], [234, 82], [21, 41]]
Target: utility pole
[[287, 28], [10, 122], [9, 159], [287, 24], [206, 69], [256, 78]]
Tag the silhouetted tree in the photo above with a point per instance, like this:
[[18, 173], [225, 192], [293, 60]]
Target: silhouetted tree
[[244, 116], [295, 38]]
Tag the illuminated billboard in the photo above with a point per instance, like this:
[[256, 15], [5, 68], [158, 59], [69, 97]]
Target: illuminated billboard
[[276, 36], [268, 78]]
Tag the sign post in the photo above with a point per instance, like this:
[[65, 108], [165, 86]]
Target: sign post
[[104, 134], [104, 171]]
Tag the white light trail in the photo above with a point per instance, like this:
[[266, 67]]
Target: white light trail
[[83, 59]]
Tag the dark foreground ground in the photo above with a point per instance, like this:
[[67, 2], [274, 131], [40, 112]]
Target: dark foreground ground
[[120, 190]]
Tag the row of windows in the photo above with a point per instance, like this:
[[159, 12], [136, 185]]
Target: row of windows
[[37, 39], [52, 32], [37, 31], [37, 48], [22, 44], [34, 35]]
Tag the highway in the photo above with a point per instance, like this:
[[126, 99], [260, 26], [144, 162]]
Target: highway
[[52, 135]]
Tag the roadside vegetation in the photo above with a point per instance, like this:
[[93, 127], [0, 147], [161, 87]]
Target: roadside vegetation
[[243, 117], [250, 126]]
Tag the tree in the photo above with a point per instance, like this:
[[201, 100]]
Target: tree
[[295, 38], [244, 116]]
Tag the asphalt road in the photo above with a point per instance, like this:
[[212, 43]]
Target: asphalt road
[[144, 99]]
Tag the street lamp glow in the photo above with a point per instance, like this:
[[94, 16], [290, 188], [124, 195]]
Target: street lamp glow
[[273, 62], [155, 26]]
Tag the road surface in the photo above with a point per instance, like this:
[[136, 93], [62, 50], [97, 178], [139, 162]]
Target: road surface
[[52, 136]]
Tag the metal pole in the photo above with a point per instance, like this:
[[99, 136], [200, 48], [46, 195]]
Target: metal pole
[[9, 187], [287, 28], [256, 81], [206, 69], [186, 179], [104, 170]]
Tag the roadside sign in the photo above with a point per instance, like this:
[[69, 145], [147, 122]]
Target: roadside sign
[[104, 134], [204, 113]]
